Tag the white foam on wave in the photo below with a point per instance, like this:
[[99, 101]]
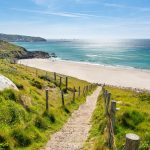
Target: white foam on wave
[[90, 55]]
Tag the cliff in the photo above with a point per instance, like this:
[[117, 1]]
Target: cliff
[[8, 50]]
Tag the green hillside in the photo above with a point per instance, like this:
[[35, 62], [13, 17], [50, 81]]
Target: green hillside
[[133, 117], [24, 123], [8, 50], [20, 38]]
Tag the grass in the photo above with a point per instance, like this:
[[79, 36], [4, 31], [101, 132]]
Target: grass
[[133, 117], [24, 123], [8, 50]]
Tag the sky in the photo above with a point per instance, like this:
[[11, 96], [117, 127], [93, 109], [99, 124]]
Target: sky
[[76, 19]]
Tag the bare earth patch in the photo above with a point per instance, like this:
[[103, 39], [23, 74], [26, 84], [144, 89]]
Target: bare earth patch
[[75, 132]]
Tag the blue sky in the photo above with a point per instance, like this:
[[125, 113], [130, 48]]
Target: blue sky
[[64, 19]]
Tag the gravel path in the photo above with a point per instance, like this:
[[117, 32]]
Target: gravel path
[[75, 132]]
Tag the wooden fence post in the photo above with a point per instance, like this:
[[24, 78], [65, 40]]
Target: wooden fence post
[[54, 76], [112, 113], [111, 125], [79, 92], [132, 142], [74, 94], [107, 103], [60, 82], [66, 83], [47, 106], [84, 91], [46, 74], [62, 97]]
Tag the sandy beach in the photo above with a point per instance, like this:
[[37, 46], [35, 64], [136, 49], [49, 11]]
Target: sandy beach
[[133, 78]]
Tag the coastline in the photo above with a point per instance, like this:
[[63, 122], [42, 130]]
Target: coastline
[[116, 76]]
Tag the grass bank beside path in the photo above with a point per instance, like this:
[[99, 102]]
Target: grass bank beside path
[[133, 117], [24, 123]]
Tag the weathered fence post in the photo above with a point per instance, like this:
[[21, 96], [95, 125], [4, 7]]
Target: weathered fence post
[[47, 99], [60, 82], [132, 142], [84, 91], [112, 113], [66, 83], [112, 124], [79, 91], [62, 97], [54, 76], [46, 74], [74, 94], [107, 103]]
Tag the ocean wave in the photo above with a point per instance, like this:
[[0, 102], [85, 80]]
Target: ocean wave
[[90, 55]]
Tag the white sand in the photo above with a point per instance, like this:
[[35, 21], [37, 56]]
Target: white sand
[[95, 73]]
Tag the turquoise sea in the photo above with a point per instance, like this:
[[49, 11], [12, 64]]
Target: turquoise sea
[[120, 53]]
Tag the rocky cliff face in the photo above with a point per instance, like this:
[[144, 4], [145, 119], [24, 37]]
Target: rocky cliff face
[[8, 50]]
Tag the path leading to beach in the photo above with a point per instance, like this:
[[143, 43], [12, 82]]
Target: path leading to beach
[[74, 133]]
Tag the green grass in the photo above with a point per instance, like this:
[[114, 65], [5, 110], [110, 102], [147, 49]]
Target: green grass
[[8, 50], [24, 123], [133, 117]]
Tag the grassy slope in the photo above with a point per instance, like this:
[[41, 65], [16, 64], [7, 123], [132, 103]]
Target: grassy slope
[[133, 117], [10, 50], [24, 124]]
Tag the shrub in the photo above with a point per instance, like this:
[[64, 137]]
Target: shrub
[[41, 123], [132, 118], [144, 97], [44, 77], [21, 137], [9, 94], [50, 116], [36, 84], [3, 143], [20, 86]]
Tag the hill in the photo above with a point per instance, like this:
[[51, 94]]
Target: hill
[[20, 38], [8, 50], [24, 122]]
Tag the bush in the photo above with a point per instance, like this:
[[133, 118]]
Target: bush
[[20, 86], [36, 84], [41, 123], [144, 97], [21, 137], [50, 116], [3, 143], [9, 94], [132, 118], [44, 77]]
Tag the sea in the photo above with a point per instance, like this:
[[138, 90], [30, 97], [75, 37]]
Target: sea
[[128, 53]]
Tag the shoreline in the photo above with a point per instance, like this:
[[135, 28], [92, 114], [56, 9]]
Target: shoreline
[[115, 76], [103, 65]]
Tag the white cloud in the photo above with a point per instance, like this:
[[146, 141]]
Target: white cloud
[[116, 5]]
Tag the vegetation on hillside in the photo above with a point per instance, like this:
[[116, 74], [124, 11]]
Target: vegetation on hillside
[[9, 51], [133, 117], [24, 123], [20, 38]]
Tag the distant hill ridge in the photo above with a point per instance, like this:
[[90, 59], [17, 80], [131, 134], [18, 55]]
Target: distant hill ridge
[[20, 38]]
